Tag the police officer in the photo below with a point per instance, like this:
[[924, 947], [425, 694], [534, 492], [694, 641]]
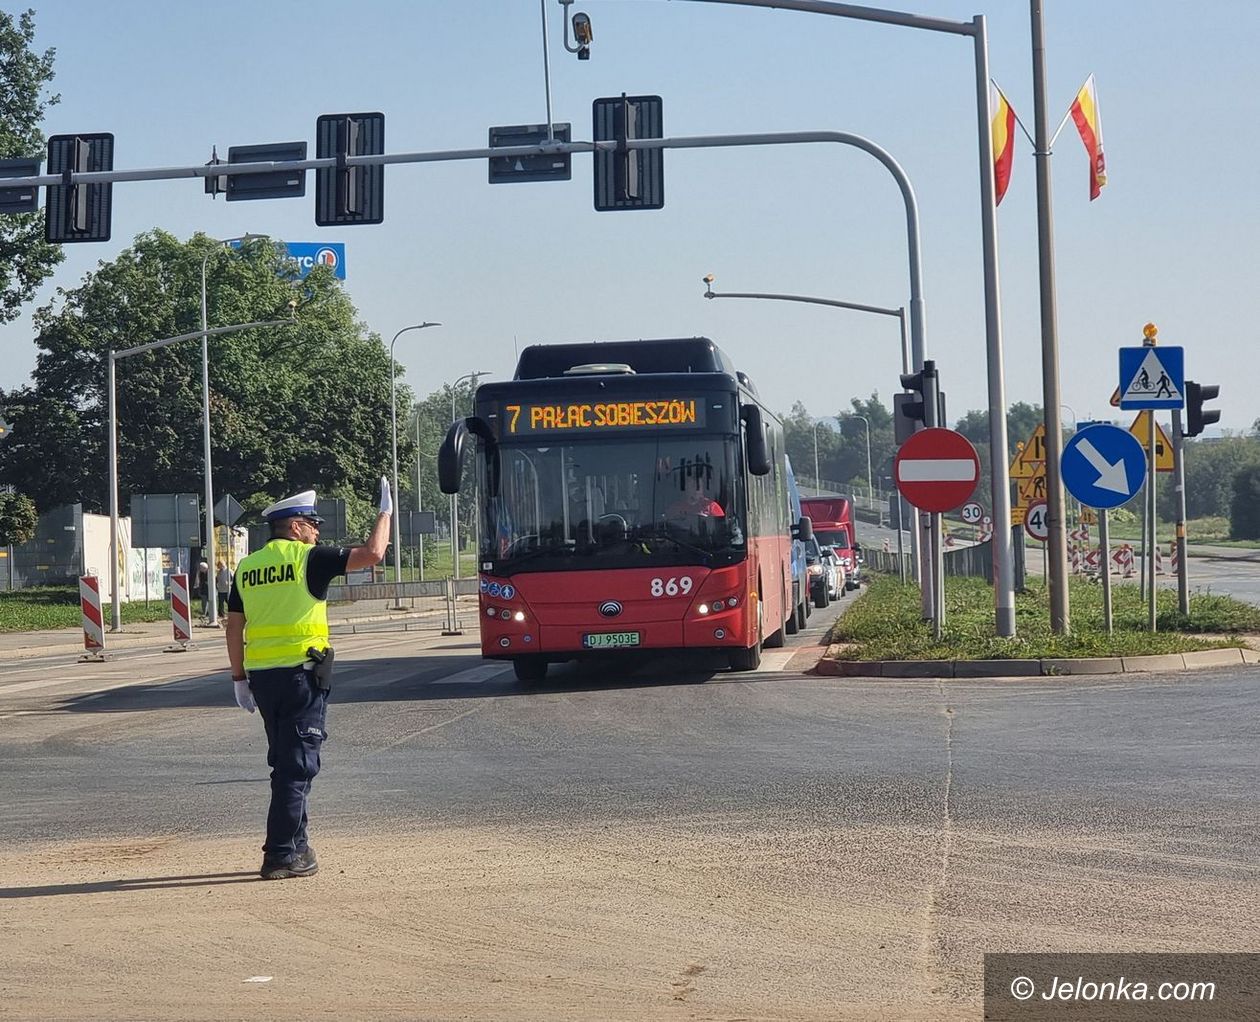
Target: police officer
[[277, 640]]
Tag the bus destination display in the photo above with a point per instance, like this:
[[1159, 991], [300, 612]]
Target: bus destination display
[[525, 419]]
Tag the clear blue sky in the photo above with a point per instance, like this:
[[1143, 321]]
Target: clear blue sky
[[1172, 239]]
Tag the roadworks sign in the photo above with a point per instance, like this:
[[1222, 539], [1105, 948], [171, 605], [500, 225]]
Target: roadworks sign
[[1141, 429], [1030, 462]]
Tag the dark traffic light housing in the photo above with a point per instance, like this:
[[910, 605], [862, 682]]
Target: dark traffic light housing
[[1196, 418]]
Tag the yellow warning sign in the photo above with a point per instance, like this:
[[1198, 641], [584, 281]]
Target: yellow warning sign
[[1030, 462], [1089, 516], [1141, 429], [1018, 514], [1032, 490]]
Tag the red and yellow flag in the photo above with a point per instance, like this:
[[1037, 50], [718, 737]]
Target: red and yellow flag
[[1003, 140], [1089, 124]]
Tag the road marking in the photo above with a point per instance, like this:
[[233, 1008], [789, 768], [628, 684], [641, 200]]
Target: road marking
[[482, 673]]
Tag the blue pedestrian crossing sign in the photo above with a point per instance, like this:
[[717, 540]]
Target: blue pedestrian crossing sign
[[1152, 377], [1103, 466]]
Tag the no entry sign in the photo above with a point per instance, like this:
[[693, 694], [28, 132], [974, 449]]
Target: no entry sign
[[937, 469]]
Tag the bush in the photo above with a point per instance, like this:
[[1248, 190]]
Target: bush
[[1244, 519]]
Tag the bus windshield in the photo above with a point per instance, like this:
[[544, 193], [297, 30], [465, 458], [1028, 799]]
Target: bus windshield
[[635, 503]]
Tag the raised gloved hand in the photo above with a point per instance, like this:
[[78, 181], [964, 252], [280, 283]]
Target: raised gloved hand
[[387, 500], [244, 697]]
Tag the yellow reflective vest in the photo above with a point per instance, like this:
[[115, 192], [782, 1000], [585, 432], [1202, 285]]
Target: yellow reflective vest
[[282, 619]]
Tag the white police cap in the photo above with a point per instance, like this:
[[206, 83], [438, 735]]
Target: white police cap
[[300, 505]]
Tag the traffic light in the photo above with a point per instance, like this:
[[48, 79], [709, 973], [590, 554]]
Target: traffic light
[[925, 383], [628, 178], [344, 194], [78, 212], [1196, 417]]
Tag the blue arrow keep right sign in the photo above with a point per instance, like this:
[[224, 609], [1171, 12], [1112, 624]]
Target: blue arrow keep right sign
[[1103, 466]]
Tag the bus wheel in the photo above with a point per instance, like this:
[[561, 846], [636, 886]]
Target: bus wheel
[[746, 659], [802, 612], [530, 668]]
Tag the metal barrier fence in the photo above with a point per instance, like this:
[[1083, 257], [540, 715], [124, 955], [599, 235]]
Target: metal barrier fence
[[973, 561]]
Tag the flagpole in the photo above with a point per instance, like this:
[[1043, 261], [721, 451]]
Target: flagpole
[[1056, 534]]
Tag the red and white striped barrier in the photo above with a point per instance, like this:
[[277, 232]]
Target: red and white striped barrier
[[181, 614], [1122, 560], [93, 622], [1173, 556]]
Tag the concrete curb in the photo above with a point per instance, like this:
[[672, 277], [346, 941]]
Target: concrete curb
[[1048, 667]]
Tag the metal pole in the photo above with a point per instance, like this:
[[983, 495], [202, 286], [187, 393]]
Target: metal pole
[[817, 477], [551, 137], [1003, 575], [1152, 545], [115, 616], [901, 556], [393, 430], [931, 585], [1104, 543], [419, 494], [1056, 538], [212, 615], [454, 507], [1179, 484]]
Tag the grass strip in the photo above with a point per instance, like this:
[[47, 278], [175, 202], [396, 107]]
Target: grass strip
[[47, 607], [884, 624]]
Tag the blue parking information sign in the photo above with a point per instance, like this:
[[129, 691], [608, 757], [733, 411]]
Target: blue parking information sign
[[1152, 377], [1103, 466]]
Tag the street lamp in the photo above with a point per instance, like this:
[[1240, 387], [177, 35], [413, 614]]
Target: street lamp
[[870, 483], [213, 604], [900, 313], [455, 496], [115, 600], [393, 426], [917, 542]]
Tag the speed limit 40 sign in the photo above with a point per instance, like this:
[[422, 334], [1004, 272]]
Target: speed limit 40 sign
[[1036, 521]]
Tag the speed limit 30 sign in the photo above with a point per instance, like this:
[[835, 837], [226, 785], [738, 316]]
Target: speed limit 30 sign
[[1036, 521], [972, 513]]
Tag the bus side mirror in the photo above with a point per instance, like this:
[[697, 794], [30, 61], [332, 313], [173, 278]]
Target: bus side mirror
[[755, 441], [804, 530], [451, 455]]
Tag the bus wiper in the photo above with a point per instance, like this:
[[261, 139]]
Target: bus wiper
[[681, 544], [540, 551]]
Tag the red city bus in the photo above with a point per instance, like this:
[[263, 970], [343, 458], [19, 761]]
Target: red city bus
[[632, 497]]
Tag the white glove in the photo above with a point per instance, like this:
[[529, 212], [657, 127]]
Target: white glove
[[387, 500], [244, 697]]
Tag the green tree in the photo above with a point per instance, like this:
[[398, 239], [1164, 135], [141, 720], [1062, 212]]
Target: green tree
[[883, 444], [1210, 471], [18, 518], [1244, 519], [434, 414], [801, 431], [26, 259], [1021, 419], [290, 407]]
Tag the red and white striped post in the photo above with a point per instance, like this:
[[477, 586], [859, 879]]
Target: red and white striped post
[[181, 614], [93, 626]]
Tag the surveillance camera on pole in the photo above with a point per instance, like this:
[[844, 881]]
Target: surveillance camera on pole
[[583, 35]]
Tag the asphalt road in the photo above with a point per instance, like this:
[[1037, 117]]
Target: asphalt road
[[870, 838]]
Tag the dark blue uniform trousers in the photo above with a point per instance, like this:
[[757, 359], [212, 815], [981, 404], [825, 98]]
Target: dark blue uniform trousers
[[293, 709]]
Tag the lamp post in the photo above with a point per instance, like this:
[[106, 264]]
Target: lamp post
[[870, 483], [900, 313], [393, 427], [817, 477], [115, 599], [977, 30], [212, 617], [455, 496], [915, 539]]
